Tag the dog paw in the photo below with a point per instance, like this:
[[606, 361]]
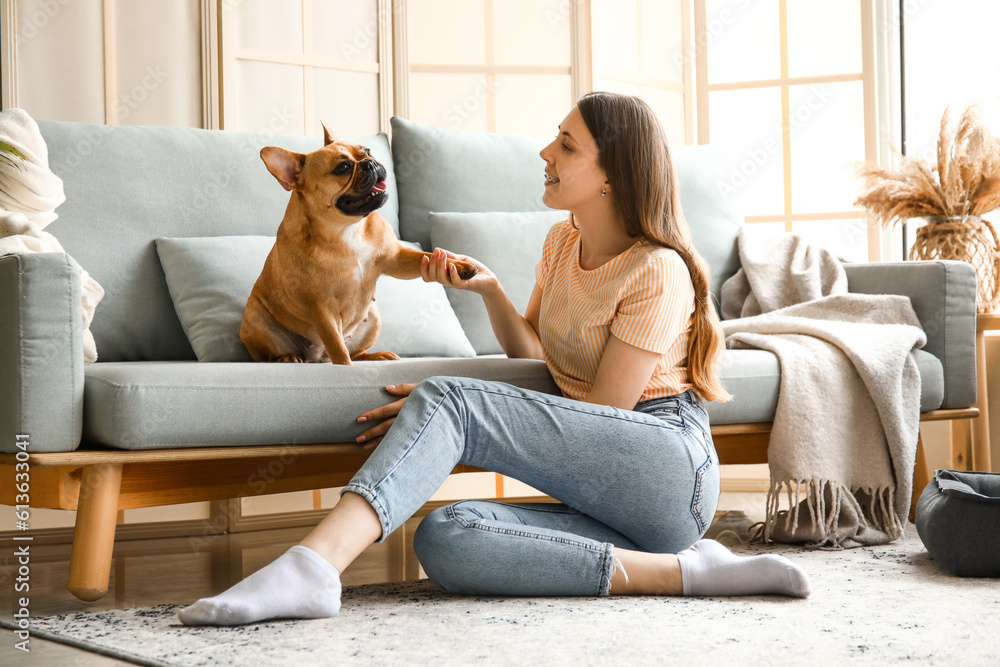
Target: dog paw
[[376, 356], [466, 270], [290, 359]]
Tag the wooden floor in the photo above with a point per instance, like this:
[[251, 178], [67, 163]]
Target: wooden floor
[[161, 571]]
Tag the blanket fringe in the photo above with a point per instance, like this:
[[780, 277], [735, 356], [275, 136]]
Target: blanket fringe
[[814, 509]]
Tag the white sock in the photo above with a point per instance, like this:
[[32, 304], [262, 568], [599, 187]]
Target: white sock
[[299, 584], [709, 569]]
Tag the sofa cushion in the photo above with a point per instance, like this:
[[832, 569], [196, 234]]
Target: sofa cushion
[[210, 279], [159, 405], [156, 405], [441, 169], [127, 185], [510, 244]]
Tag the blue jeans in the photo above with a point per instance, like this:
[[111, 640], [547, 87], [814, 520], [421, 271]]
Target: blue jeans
[[644, 479]]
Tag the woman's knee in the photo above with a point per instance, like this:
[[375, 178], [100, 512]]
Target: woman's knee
[[439, 545]]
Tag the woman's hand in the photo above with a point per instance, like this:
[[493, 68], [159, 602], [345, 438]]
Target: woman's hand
[[388, 412], [440, 268]]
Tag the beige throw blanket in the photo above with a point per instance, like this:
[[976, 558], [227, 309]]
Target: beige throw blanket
[[29, 195], [845, 430]]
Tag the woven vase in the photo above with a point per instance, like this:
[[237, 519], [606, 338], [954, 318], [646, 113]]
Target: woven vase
[[969, 239]]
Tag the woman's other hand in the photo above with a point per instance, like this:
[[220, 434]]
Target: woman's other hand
[[388, 412], [440, 267]]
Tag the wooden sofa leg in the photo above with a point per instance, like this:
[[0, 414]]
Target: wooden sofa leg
[[921, 477], [94, 535]]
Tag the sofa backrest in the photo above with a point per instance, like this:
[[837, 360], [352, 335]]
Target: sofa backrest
[[445, 170], [127, 186]]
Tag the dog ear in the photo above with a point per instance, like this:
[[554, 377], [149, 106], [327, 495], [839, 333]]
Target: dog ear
[[328, 137], [284, 165]]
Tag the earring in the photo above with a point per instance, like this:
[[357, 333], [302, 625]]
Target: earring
[[604, 192]]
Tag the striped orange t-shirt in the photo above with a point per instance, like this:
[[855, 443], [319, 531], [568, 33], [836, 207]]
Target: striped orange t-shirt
[[643, 297]]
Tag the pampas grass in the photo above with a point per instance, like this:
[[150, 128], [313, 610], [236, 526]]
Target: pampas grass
[[965, 182]]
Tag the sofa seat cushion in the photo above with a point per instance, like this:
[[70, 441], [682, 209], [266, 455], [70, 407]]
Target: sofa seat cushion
[[161, 405], [753, 378]]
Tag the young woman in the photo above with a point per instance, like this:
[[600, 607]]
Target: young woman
[[622, 316]]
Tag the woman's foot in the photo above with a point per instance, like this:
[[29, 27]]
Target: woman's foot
[[299, 584], [709, 569]]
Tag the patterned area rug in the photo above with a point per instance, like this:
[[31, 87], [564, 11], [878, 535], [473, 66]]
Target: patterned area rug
[[869, 606]]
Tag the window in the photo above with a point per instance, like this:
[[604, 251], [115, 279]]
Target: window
[[287, 66], [788, 89], [638, 49], [501, 66], [949, 60]]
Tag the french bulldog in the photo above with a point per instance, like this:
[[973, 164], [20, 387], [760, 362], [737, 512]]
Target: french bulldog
[[315, 298]]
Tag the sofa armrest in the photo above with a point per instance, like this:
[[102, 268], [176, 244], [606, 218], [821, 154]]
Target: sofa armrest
[[41, 352], [943, 294]]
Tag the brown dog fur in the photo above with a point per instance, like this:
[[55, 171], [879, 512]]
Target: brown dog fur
[[315, 299]]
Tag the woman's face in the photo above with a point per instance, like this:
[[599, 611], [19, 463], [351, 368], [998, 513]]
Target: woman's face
[[573, 177]]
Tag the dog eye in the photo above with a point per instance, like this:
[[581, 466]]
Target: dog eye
[[342, 168]]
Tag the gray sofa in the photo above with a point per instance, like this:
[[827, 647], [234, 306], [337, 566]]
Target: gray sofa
[[128, 187]]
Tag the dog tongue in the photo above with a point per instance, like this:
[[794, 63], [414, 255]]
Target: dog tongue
[[379, 187]]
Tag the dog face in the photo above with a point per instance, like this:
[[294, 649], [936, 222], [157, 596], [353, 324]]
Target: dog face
[[341, 176]]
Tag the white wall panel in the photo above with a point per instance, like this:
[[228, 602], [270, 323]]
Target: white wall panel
[[60, 59], [158, 66]]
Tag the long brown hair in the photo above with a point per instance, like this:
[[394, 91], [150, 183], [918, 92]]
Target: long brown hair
[[632, 150]]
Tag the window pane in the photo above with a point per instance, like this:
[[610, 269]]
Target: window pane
[[763, 230], [360, 117], [824, 37], [742, 39], [848, 239], [615, 86], [446, 31], [532, 105], [662, 40], [270, 96], [268, 25], [457, 101], [614, 26], [531, 32], [746, 124], [950, 50], [828, 137], [345, 30], [669, 107]]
